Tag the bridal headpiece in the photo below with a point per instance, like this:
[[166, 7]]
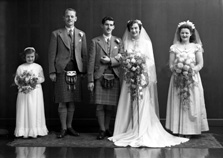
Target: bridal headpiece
[[31, 48], [136, 20], [195, 39], [188, 23]]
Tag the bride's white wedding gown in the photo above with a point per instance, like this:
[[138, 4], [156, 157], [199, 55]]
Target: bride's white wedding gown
[[141, 127]]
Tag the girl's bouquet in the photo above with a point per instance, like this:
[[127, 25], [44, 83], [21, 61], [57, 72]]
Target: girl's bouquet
[[184, 76], [135, 74], [27, 81]]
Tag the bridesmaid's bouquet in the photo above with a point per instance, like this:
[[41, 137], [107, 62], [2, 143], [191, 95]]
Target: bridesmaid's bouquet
[[184, 75], [27, 82], [135, 73]]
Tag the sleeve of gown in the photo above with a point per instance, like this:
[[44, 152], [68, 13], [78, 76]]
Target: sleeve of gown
[[16, 75]]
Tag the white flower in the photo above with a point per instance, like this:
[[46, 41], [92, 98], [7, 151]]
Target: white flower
[[143, 82], [181, 59], [133, 60], [186, 67], [139, 21], [180, 65], [118, 56], [188, 61], [143, 77], [141, 93], [186, 23], [133, 69], [185, 73], [129, 65], [117, 40], [138, 54], [178, 71], [81, 34]]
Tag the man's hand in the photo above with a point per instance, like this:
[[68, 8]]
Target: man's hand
[[53, 77], [105, 60], [90, 86]]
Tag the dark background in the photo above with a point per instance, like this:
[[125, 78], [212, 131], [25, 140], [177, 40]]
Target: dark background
[[30, 22]]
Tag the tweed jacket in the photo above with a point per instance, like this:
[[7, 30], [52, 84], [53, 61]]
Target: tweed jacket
[[60, 52], [98, 49]]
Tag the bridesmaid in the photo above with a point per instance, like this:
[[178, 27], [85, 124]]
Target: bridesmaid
[[30, 115], [186, 113]]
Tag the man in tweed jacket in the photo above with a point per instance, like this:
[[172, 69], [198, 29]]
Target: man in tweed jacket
[[67, 52], [104, 60]]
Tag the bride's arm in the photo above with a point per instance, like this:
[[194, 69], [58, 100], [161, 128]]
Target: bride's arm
[[199, 60]]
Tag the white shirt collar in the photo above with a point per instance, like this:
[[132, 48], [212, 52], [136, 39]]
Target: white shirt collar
[[70, 28], [106, 37]]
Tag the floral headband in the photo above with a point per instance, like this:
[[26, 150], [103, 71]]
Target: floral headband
[[31, 48], [136, 20], [188, 23]]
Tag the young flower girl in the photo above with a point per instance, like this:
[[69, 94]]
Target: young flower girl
[[30, 115]]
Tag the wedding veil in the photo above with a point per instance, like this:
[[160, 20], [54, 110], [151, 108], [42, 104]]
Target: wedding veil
[[197, 39], [145, 44]]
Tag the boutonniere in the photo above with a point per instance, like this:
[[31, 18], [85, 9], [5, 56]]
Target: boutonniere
[[115, 47], [117, 40], [81, 34]]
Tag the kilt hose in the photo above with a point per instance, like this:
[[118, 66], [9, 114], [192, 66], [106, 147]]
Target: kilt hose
[[104, 96], [62, 94]]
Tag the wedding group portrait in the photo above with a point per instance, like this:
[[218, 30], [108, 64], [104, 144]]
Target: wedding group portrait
[[111, 79]]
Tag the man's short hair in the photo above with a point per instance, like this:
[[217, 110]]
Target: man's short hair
[[107, 18]]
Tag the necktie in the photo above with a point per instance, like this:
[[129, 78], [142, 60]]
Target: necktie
[[71, 34], [72, 43], [108, 44]]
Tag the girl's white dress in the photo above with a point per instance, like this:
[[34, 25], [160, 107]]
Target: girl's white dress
[[192, 118], [141, 127], [30, 115]]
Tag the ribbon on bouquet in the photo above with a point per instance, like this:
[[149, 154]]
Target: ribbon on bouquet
[[132, 106]]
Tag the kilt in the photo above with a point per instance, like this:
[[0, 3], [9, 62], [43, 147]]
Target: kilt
[[104, 96], [62, 94]]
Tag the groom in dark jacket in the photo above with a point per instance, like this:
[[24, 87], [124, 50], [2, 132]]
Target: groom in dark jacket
[[103, 74]]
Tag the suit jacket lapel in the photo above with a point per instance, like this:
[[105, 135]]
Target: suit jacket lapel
[[103, 45], [76, 36], [65, 38]]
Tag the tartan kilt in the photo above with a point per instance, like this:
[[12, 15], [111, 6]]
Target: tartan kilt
[[62, 94], [104, 96]]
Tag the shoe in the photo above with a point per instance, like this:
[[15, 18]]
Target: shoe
[[72, 132], [63, 132], [108, 133], [101, 135]]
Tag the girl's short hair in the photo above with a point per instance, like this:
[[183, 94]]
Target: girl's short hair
[[28, 50]]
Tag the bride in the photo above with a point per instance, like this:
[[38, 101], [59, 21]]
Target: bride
[[137, 123]]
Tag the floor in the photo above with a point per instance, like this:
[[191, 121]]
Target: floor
[[67, 152]]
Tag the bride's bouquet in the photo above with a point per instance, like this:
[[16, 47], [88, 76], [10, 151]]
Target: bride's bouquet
[[27, 82], [134, 65], [184, 76]]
